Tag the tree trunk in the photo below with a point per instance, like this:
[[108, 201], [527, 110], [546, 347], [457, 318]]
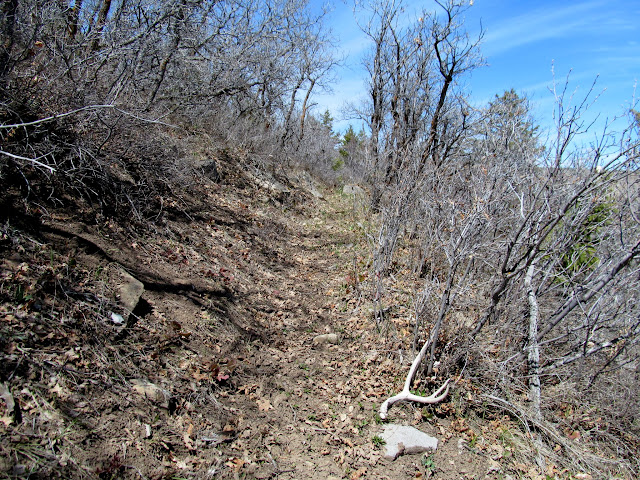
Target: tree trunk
[[7, 28], [305, 107], [534, 347], [445, 302], [73, 19], [102, 18]]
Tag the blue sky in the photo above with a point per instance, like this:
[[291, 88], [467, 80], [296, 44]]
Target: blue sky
[[523, 41]]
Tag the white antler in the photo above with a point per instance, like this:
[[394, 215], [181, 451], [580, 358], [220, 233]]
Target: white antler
[[407, 396]]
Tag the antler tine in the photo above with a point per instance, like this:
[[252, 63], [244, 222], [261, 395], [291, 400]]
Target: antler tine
[[407, 396]]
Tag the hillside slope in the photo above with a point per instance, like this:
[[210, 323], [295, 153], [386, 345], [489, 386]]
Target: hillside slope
[[215, 373]]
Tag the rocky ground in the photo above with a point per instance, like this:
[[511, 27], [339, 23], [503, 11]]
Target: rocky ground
[[224, 369]]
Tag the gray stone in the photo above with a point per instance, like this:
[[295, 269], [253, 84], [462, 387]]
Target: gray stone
[[326, 338], [262, 179], [315, 192], [151, 391], [402, 439], [354, 190], [129, 291], [309, 184]]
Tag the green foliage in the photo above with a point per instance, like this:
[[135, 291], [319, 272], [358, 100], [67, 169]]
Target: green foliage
[[362, 425], [351, 141], [473, 440], [428, 462], [349, 136], [378, 441], [581, 255], [510, 123], [327, 120], [21, 295]]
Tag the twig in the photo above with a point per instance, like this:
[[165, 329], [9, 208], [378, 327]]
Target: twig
[[31, 160], [56, 116], [82, 109]]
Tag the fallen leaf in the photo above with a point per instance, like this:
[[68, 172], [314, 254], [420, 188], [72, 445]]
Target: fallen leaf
[[533, 474], [186, 437], [493, 467], [246, 389], [60, 391], [264, 405], [71, 355], [358, 473], [235, 463], [199, 376]]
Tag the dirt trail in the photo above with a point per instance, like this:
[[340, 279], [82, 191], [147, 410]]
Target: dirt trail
[[203, 384], [309, 411]]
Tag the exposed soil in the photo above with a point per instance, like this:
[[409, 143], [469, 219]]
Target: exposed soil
[[215, 375]]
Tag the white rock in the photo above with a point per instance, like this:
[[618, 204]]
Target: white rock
[[402, 439], [326, 338], [117, 318], [353, 190]]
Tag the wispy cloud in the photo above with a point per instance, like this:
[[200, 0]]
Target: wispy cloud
[[522, 41], [543, 24]]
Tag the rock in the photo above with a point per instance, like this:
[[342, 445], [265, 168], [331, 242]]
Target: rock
[[494, 467], [402, 439], [12, 408], [130, 290], [127, 289], [331, 338], [309, 184], [354, 190], [152, 392], [280, 399], [19, 470], [275, 187], [461, 445], [315, 192]]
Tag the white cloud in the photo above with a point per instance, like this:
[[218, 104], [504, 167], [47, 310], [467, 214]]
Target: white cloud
[[542, 24]]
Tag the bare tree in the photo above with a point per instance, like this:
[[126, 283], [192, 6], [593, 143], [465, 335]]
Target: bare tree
[[523, 226], [414, 115]]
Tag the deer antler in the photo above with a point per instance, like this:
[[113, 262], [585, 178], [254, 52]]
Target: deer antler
[[407, 396]]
